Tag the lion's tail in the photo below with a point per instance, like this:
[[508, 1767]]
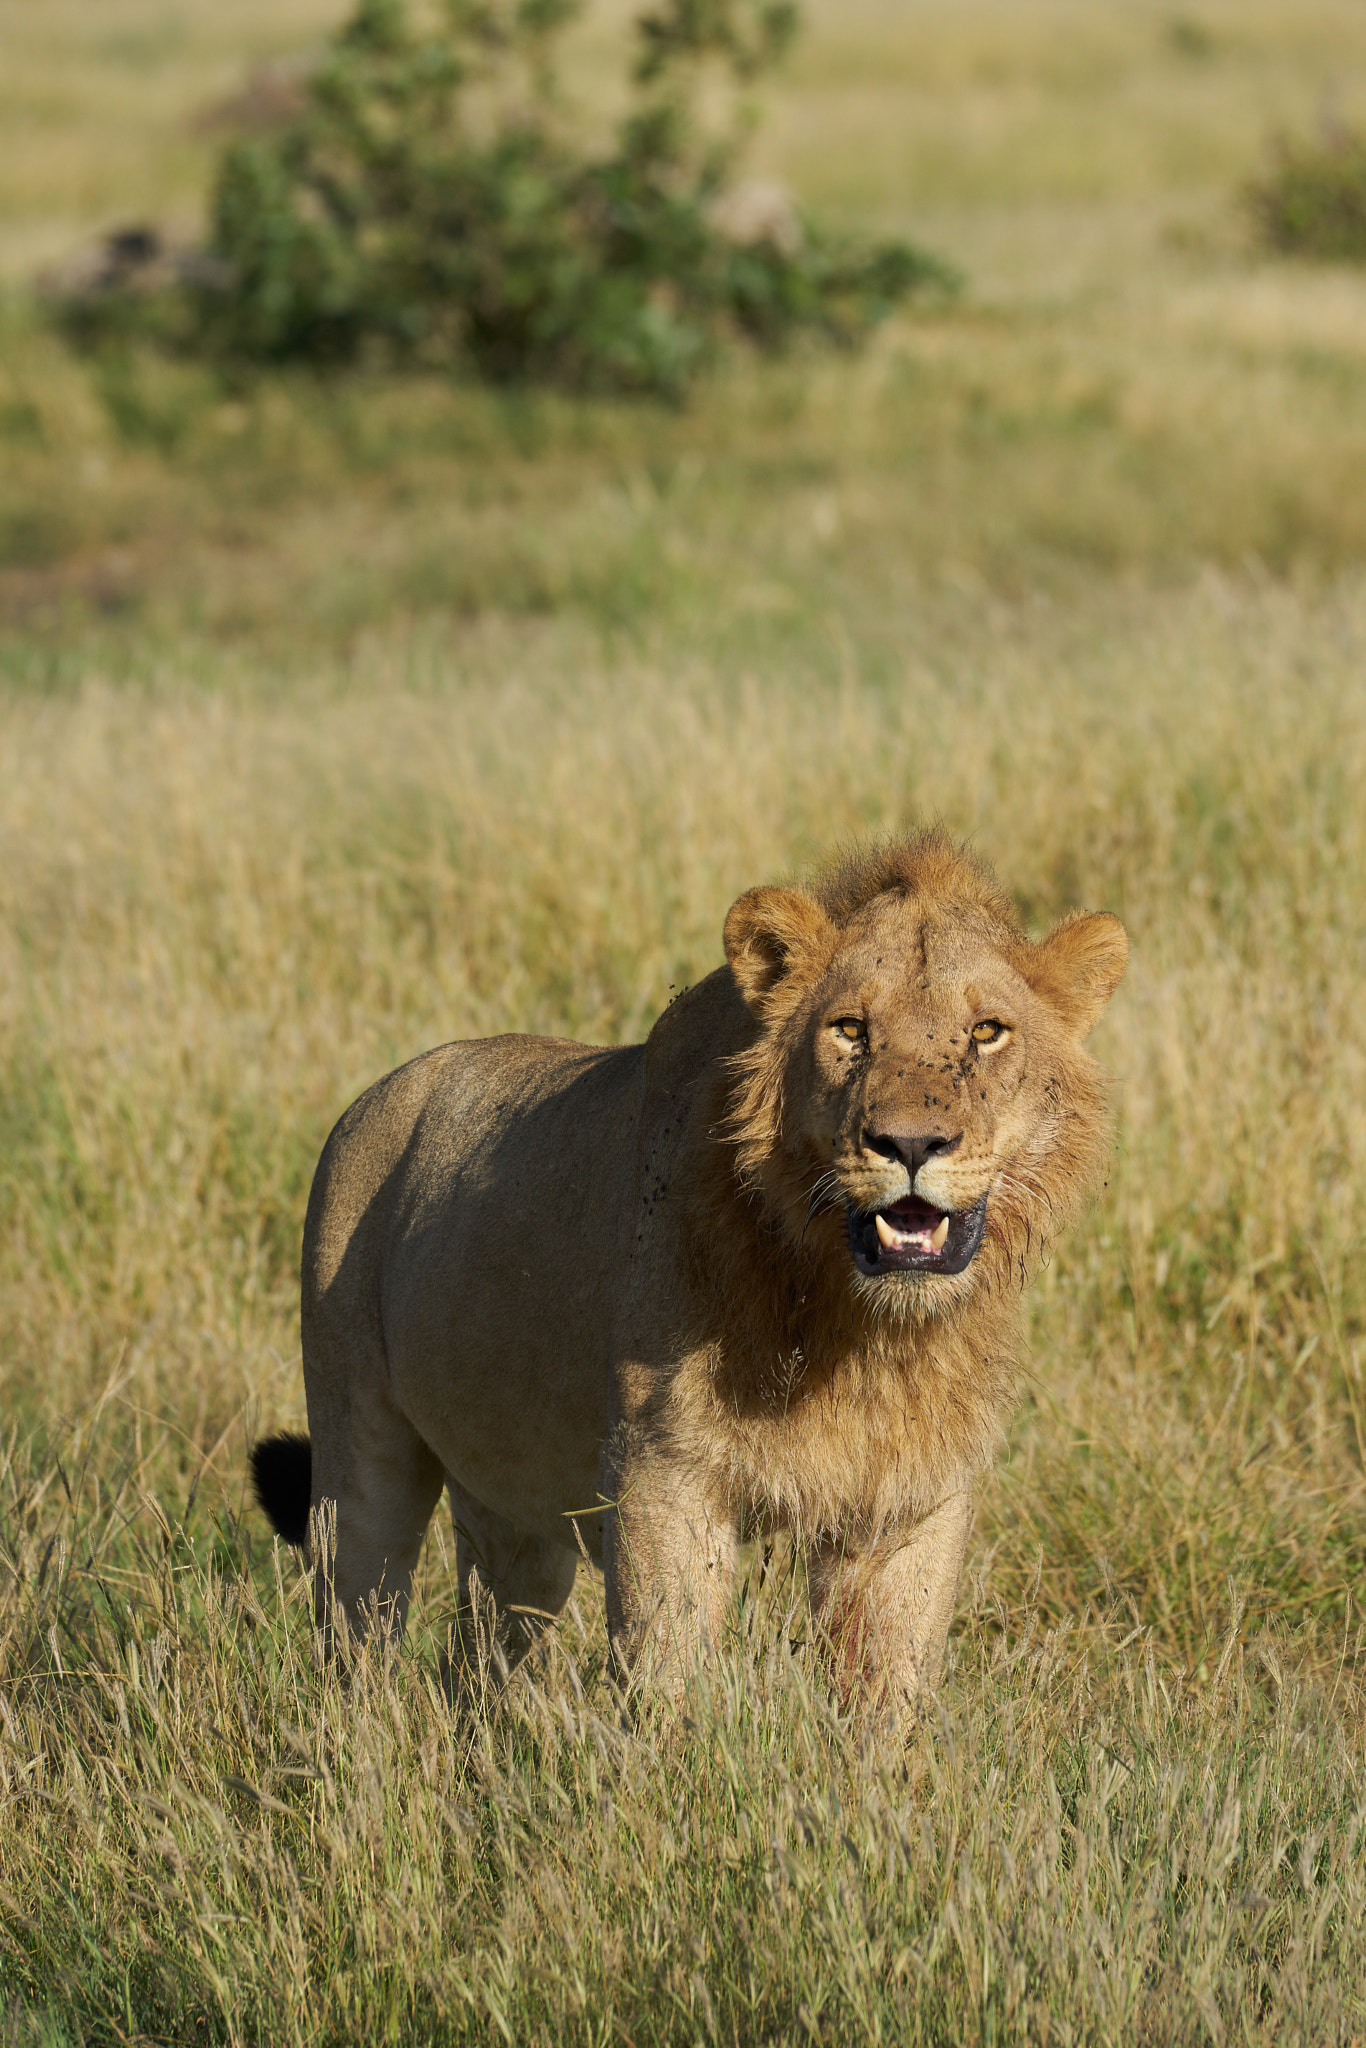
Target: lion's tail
[[282, 1470]]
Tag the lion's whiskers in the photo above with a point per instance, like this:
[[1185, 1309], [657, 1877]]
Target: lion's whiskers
[[824, 1186]]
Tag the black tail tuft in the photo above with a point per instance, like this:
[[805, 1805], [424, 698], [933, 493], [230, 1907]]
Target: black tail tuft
[[282, 1468]]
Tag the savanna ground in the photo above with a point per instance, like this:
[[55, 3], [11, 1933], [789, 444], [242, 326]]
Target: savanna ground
[[338, 719]]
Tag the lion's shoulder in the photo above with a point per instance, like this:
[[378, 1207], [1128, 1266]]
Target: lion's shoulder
[[701, 1026]]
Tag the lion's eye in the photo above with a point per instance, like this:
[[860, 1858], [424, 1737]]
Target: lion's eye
[[850, 1029], [990, 1032]]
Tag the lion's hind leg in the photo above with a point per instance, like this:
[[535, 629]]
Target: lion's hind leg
[[375, 1483], [512, 1584]]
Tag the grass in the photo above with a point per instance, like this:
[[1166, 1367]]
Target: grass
[[340, 719], [259, 1854], [1314, 201]]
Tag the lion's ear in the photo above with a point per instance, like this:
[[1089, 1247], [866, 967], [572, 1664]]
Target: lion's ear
[[1078, 967], [767, 932]]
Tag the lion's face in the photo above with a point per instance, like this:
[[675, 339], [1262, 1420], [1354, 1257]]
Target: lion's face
[[925, 1057], [921, 1073]]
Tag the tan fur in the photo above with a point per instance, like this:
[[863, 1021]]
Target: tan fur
[[590, 1290]]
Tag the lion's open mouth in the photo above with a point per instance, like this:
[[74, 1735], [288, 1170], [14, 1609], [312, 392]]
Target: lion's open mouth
[[912, 1236]]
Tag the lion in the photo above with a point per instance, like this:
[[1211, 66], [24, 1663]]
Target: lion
[[762, 1273]]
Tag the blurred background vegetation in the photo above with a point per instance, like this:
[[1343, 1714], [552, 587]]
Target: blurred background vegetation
[[347, 709], [426, 202], [1128, 385]]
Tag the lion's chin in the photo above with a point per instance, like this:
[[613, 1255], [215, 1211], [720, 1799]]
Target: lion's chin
[[914, 1237]]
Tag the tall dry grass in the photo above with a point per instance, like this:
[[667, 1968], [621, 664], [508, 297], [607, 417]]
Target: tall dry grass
[[1075, 1848]]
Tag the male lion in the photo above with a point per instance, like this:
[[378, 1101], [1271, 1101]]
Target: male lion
[[760, 1272]]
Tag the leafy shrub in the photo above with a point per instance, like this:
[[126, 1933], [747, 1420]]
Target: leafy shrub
[[1313, 203], [429, 204]]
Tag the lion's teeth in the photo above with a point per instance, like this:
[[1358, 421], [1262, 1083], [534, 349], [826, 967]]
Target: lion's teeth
[[937, 1237], [885, 1231]]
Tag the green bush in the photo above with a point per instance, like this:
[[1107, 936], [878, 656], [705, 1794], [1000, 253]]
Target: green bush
[[431, 205], [1313, 203]]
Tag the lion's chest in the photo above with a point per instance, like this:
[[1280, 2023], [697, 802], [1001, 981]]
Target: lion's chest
[[858, 1449]]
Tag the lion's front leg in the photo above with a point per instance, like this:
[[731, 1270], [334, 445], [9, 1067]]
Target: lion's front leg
[[669, 1563], [885, 1611]]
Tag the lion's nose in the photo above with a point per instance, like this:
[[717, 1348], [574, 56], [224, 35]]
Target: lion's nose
[[913, 1147]]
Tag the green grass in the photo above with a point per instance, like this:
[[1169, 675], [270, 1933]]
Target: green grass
[[341, 718]]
